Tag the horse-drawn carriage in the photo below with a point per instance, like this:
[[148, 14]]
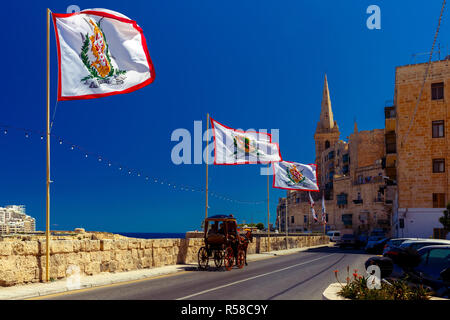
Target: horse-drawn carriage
[[223, 243]]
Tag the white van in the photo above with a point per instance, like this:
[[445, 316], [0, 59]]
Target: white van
[[334, 235]]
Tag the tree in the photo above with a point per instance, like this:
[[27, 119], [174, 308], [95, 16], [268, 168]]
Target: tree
[[445, 220], [260, 226]]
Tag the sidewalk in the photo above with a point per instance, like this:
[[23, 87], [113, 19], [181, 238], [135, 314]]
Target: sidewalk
[[41, 289]]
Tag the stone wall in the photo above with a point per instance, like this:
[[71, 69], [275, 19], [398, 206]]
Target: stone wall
[[24, 261]]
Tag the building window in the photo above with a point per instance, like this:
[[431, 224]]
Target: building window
[[331, 175], [345, 169], [438, 129], [391, 143], [341, 199], [437, 91], [292, 219], [438, 165], [345, 158], [347, 220], [327, 144], [438, 200], [305, 219]]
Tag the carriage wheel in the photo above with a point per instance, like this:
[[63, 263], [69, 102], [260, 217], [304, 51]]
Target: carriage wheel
[[228, 259], [203, 258], [240, 259], [218, 258]]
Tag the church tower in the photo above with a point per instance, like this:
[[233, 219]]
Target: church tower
[[327, 131]]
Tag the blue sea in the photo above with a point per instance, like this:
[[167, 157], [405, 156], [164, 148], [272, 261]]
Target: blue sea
[[153, 235]]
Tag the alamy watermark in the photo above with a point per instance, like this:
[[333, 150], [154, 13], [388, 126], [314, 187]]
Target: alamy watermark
[[374, 20], [73, 277], [191, 149]]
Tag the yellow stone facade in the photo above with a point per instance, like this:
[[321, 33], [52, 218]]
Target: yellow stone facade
[[351, 177], [416, 147]]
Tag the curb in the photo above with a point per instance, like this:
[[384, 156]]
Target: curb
[[331, 292]]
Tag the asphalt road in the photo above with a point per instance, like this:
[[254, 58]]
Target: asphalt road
[[302, 275]]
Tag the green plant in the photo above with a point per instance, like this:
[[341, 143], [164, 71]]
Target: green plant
[[356, 289], [260, 226], [445, 220]]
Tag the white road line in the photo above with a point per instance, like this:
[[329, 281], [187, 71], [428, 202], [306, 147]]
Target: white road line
[[251, 278]]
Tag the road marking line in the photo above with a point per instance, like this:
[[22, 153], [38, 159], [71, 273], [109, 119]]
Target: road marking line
[[251, 278]]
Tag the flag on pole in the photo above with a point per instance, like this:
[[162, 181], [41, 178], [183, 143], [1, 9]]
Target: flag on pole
[[324, 218], [295, 176], [311, 201], [233, 146], [100, 53]]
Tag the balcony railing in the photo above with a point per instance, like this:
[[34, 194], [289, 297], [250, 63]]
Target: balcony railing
[[389, 112], [375, 179]]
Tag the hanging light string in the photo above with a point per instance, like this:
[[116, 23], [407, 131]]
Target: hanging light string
[[425, 76], [131, 171]]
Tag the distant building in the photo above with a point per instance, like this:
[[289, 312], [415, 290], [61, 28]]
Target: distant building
[[13, 219], [420, 142], [350, 176]]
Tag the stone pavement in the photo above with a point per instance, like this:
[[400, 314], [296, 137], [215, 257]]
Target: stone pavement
[[41, 289]]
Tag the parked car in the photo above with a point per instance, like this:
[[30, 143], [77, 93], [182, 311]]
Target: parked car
[[428, 266], [433, 269], [347, 240], [417, 244], [376, 247], [361, 240], [374, 237], [378, 233], [395, 243], [334, 235]]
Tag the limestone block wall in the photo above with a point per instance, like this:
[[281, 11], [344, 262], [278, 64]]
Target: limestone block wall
[[24, 261]]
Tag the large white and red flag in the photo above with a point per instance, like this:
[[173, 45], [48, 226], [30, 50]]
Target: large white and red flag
[[295, 176], [100, 53], [233, 146]]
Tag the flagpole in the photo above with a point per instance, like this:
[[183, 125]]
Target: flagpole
[[207, 158], [323, 211], [268, 210], [47, 231], [286, 224]]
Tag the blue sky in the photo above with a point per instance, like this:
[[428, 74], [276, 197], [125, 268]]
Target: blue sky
[[250, 64]]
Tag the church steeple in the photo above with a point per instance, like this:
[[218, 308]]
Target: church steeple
[[327, 132], [326, 122]]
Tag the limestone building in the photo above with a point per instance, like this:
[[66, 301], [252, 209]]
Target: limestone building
[[351, 176], [421, 155], [13, 219]]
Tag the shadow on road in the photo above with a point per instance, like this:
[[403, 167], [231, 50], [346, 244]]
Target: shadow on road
[[208, 269]]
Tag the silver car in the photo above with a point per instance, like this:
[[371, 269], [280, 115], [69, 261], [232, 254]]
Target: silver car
[[417, 244], [396, 242]]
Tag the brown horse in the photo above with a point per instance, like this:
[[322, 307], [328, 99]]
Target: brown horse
[[243, 242]]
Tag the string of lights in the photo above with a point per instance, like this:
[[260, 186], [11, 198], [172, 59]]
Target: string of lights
[[28, 133]]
